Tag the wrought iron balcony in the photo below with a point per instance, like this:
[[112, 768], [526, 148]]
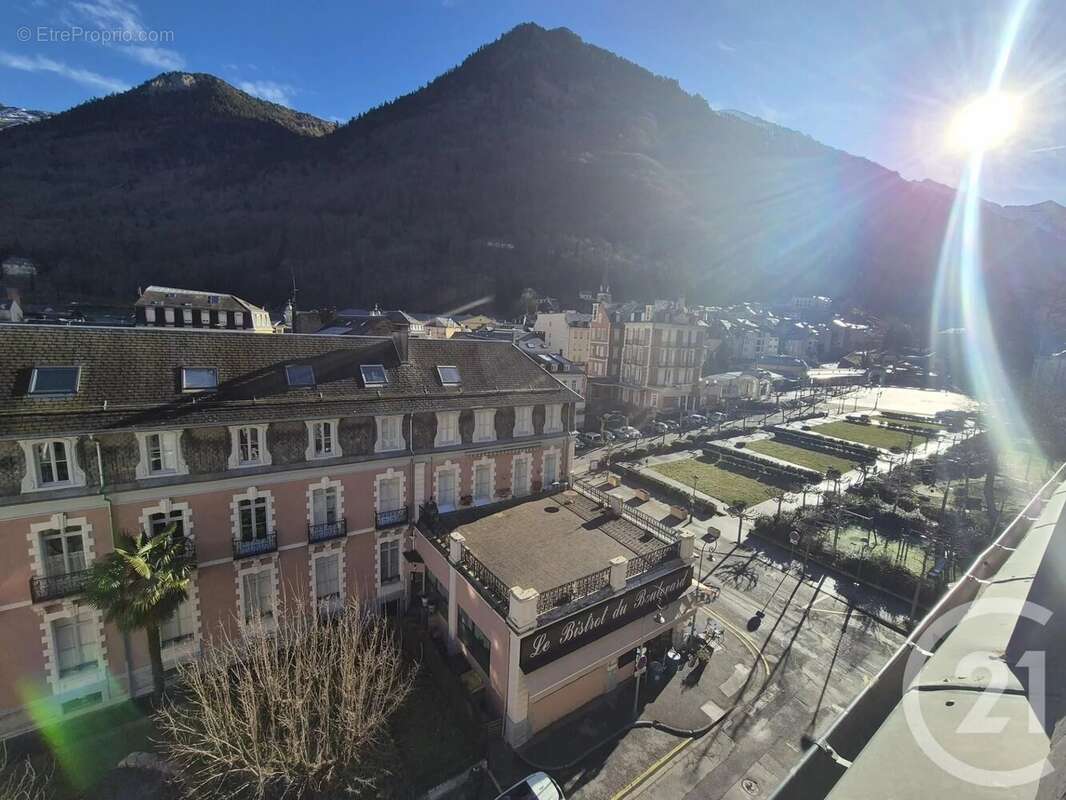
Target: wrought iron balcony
[[188, 549], [52, 587], [244, 548], [387, 519], [324, 531]]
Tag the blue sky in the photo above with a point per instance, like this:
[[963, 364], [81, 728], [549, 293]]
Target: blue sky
[[879, 79]]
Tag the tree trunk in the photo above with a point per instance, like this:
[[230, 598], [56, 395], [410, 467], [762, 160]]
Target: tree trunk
[[155, 653]]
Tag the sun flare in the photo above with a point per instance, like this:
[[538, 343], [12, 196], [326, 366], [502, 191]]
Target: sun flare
[[985, 123]]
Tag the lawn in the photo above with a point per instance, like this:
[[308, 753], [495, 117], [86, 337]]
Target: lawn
[[866, 434], [928, 426], [811, 459], [851, 538], [721, 484]]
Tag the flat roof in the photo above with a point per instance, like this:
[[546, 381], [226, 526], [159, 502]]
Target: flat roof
[[549, 541]]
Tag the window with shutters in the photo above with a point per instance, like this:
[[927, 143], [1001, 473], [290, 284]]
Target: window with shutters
[[521, 476], [258, 595], [324, 505], [162, 453], [390, 433], [252, 514], [485, 425], [550, 472], [328, 581], [483, 483], [248, 445], [390, 494], [77, 647], [63, 552], [553, 418], [447, 489], [179, 628], [322, 438], [390, 561], [51, 463], [162, 521], [447, 429], [523, 421]]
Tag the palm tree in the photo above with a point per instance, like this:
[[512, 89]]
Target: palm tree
[[141, 585], [737, 510]]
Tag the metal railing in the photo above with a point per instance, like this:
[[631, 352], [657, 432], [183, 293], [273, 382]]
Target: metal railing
[[492, 588], [662, 532], [396, 516], [573, 590], [52, 587], [649, 561], [243, 548], [188, 548], [324, 531]]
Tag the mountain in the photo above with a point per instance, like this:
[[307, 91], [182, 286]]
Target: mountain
[[1048, 216], [12, 115], [538, 161]]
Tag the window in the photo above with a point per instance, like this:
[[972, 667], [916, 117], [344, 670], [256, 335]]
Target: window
[[449, 376], [521, 477], [553, 418], [50, 461], [149, 315], [300, 375], [390, 494], [390, 433], [374, 375], [482, 483], [390, 561], [447, 428], [198, 379], [485, 425], [55, 380], [437, 592], [77, 649], [446, 488], [252, 513], [258, 595], [324, 506], [179, 627], [168, 315], [477, 643], [160, 522], [205, 317], [550, 472], [213, 299], [328, 580], [63, 552], [238, 319], [322, 439], [186, 316], [162, 453], [523, 421], [248, 445]]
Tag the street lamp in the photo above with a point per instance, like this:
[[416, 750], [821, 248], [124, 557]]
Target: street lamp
[[692, 499]]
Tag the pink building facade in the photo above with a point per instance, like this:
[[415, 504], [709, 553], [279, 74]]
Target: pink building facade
[[294, 466]]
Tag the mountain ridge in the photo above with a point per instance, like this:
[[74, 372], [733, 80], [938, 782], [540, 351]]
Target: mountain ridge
[[577, 158]]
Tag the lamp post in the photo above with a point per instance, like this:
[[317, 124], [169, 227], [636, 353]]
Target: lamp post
[[692, 498]]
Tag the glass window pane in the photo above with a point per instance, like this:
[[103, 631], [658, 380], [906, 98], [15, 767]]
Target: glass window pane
[[300, 375], [54, 380], [199, 378]]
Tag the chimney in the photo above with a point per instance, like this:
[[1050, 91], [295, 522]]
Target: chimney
[[399, 341]]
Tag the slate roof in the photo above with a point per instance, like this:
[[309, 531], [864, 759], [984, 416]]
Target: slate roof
[[130, 378], [164, 296]]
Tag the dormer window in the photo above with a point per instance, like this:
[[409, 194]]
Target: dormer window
[[374, 375], [55, 380], [300, 375], [449, 376], [214, 299], [198, 379]]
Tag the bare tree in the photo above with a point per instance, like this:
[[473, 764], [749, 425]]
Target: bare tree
[[21, 780], [295, 709]]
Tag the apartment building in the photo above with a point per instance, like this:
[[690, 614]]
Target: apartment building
[[292, 466], [566, 333], [662, 357], [163, 307]]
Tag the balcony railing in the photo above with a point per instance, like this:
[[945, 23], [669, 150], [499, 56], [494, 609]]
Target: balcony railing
[[324, 531], [188, 549], [52, 587], [387, 519], [485, 580], [243, 548], [573, 590], [649, 561]]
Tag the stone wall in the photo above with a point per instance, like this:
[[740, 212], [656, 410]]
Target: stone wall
[[206, 450], [505, 423], [120, 454]]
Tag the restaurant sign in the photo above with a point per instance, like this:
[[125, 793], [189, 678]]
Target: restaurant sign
[[565, 636]]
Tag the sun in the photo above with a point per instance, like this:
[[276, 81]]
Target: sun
[[985, 123]]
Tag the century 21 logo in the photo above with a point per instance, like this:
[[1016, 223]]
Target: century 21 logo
[[987, 678]]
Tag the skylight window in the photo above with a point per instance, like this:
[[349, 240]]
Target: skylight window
[[55, 380], [214, 299], [300, 375], [449, 376], [198, 379], [374, 375]]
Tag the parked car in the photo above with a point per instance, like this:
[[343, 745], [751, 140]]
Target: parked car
[[629, 432], [537, 786], [669, 423], [592, 438], [698, 419], [657, 428]]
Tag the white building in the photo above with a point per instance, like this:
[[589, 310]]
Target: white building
[[566, 333]]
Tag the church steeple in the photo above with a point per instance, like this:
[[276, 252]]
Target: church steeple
[[604, 294]]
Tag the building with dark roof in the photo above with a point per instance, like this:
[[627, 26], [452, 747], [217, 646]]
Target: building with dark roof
[[163, 307], [291, 464]]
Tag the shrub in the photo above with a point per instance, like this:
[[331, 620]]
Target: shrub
[[21, 781], [294, 712]]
